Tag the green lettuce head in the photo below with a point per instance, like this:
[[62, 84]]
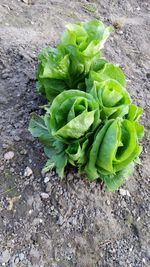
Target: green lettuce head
[[113, 99], [73, 113], [114, 150], [83, 41]]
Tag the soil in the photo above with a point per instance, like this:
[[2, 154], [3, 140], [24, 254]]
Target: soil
[[46, 222]]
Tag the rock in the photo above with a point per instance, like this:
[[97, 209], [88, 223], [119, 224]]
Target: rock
[[46, 179], [17, 138], [127, 193], [60, 220], [21, 256], [17, 260], [2, 168], [108, 202], [124, 192], [26, 1], [49, 188], [44, 195], [5, 257], [28, 172], [9, 155], [120, 32]]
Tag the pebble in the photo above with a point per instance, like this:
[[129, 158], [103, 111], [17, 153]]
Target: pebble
[[5, 257], [17, 138], [49, 187], [17, 260], [108, 202], [60, 220], [120, 32], [26, 1], [124, 192], [23, 152], [12, 169], [9, 155], [28, 172], [2, 168], [21, 256], [46, 179], [44, 195]]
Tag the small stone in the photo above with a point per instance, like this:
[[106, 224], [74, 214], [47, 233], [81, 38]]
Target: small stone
[[46, 179], [21, 256], [28, 172], [5, 257], [9, 155], [44, 195], [49, 187], [2, 168], [12, 170], [127, 193], [120, 32], [30, 212], [23, 152], [138, 8], [60, 220], [138, 219], [16, 260], [122, 192], [26, 1], [17, 138], [108, 202]]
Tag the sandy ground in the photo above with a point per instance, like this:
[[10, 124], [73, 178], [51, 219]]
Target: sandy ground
[[75, 223]]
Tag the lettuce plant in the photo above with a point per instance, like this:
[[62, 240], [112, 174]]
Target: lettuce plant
[[114, 148], [67, 65], [113, 99], [90, 121], [73, 113]]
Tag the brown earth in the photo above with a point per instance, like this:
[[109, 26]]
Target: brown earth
[[75, 223]]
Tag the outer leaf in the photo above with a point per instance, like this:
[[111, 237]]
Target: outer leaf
[[38, 129], [59, 161], [114, 181], [55, 65], [50, 88], [91, 168], [134, 112]]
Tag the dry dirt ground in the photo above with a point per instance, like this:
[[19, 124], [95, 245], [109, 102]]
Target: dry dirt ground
[[75, 223]]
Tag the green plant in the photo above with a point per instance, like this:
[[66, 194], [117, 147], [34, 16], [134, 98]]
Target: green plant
[[90, 121]]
